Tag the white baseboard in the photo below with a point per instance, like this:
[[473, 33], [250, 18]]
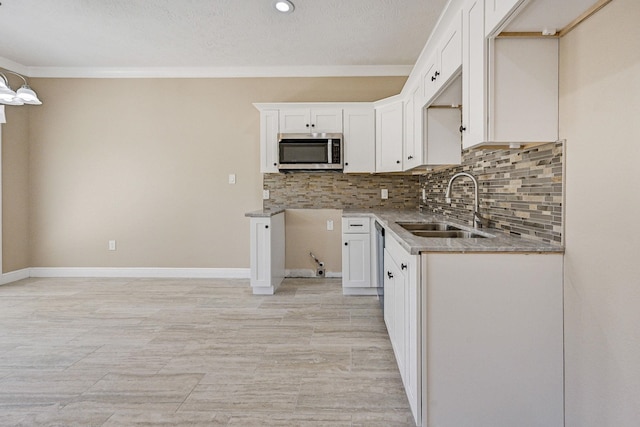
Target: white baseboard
[[308, 273], [14, 276], [178, 273]]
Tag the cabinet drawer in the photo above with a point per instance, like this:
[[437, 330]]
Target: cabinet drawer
[[397, 252], [355, 225]]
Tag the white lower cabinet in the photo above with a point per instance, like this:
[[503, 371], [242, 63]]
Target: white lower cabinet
[[267, 253], [478, 338], [358, 256], [401, 310]]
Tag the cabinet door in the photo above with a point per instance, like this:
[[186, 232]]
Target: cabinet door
[[389, 137], [496, 12], [359, 140], [296, 120], [412, 331], [474, 75], [356, 260], [260, 252], [327, 120], [430, 76], [444, 146], [400, 322], [269, 141], [390, 275], [450, 52], [409, 151]]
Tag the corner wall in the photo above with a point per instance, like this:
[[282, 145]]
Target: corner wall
[[599, 107]]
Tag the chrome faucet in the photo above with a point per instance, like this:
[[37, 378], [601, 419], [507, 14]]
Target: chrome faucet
[[478, 220]]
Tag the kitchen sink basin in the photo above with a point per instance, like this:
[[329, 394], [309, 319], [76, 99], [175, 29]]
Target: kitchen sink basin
[[438, 230], [427, 226], [453, 234]]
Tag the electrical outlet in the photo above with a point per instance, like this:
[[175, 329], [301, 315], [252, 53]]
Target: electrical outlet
[[329, 225], [232, 178], [384, 193], [112, 245], [265, 194]]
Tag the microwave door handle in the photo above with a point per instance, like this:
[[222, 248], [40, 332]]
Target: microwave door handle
[[329, 151]]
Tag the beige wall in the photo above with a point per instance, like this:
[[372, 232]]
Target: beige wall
[[15, 188], [146, 162], [599, 107], [306, 231]]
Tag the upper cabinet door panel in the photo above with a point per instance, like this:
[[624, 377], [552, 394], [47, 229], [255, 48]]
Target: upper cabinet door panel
[[296, 120], [451, 50], [327, 120]]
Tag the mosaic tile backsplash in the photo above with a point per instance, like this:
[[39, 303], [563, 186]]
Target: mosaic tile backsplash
[[334, 190], [521, 190]]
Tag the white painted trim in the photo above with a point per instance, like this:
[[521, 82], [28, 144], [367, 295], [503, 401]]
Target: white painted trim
[[186, 273], [14, 276], [215, 72], [8, 64]]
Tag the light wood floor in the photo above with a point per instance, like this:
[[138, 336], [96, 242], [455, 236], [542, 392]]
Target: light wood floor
[[147, 352]]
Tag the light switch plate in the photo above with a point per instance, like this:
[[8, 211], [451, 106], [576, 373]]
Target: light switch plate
[[265, 194], [232, 178], [384, 193], [329, 225]]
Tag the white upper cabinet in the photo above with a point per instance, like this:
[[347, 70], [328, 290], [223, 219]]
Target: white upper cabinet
[[359, 140], [412, 150], [497, 11], [474, 74], [389, 136], [304, 120], [510, 86], [269, 141], [445, 61]]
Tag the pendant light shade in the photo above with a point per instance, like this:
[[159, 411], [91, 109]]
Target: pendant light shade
[[24, 95]]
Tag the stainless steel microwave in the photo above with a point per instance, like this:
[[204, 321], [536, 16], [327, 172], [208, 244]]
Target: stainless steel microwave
[[314, 151]]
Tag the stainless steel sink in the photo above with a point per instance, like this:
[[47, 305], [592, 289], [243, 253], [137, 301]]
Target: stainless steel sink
[[427, 226], [438, 230]]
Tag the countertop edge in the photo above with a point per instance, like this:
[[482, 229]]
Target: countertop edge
[[264, 213], [500, 243]]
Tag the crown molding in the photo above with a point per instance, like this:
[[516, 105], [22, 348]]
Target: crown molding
[[208, 72], [10, 65]]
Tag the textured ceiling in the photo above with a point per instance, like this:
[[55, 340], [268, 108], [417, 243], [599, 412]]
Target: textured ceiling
[[94, 34]]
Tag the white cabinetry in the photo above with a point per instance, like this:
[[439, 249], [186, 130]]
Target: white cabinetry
[[401, 315], [445, 61], [359, 140], [269, 141], [357, 255], [493, 336], [510, 86], [413, 138], [267, 253], [304, 120], [389, 135]]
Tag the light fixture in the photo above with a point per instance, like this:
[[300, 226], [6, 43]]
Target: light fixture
[[284, 6], [24, 95]]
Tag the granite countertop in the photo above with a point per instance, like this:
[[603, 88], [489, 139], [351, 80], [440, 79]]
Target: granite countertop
[[264, 213], [496, 240]]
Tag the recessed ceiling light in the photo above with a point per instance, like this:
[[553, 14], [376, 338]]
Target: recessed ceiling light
[[284, 6]]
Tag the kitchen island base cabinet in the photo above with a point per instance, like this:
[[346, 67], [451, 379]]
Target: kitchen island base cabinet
[[267, 253], [492, 339]]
